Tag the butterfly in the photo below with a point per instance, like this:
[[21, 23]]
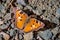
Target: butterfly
[[27, 23]]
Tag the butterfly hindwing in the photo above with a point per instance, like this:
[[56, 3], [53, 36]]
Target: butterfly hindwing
[[33, 25]]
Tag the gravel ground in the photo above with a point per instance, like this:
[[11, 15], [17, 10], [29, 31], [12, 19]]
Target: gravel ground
[[48, 10]]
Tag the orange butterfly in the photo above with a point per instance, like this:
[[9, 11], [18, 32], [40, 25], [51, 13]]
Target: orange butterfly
[[27, 23]]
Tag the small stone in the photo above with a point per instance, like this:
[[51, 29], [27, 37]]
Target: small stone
[[59, 36], [28, 7], [12, 25], [20, 37], [47, 34], [28, 36], [1, 36], [19, 6], [5, 36], [16, 37], [36, 12], [1, 22], [55, 30], [55, 20], [21, 2], [38, 37], [58, 12], [1, 7], [8, 1], [1, 14], [12, 32], [3, 26], [7, 16]]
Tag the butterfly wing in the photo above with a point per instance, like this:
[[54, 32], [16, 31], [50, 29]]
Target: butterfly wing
[[20, 19], [33, 25]]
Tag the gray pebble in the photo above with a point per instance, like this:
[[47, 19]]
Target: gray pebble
[[20, 37], [28, 36], [58, 10], [21, 2], [12, 32], [55, 20], [1, 7], [1, 37], [3, 26], [12, 25], [4, 35], [55, 30], [47, 34], [1, 22], [7, 16]]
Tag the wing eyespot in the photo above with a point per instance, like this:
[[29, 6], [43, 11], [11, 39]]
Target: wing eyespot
[[20, 19], [36, 21]]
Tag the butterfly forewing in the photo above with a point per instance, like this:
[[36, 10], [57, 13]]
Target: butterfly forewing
[[20, 19]]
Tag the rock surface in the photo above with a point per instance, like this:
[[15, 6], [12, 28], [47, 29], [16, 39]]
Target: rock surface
[[46, 9]]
